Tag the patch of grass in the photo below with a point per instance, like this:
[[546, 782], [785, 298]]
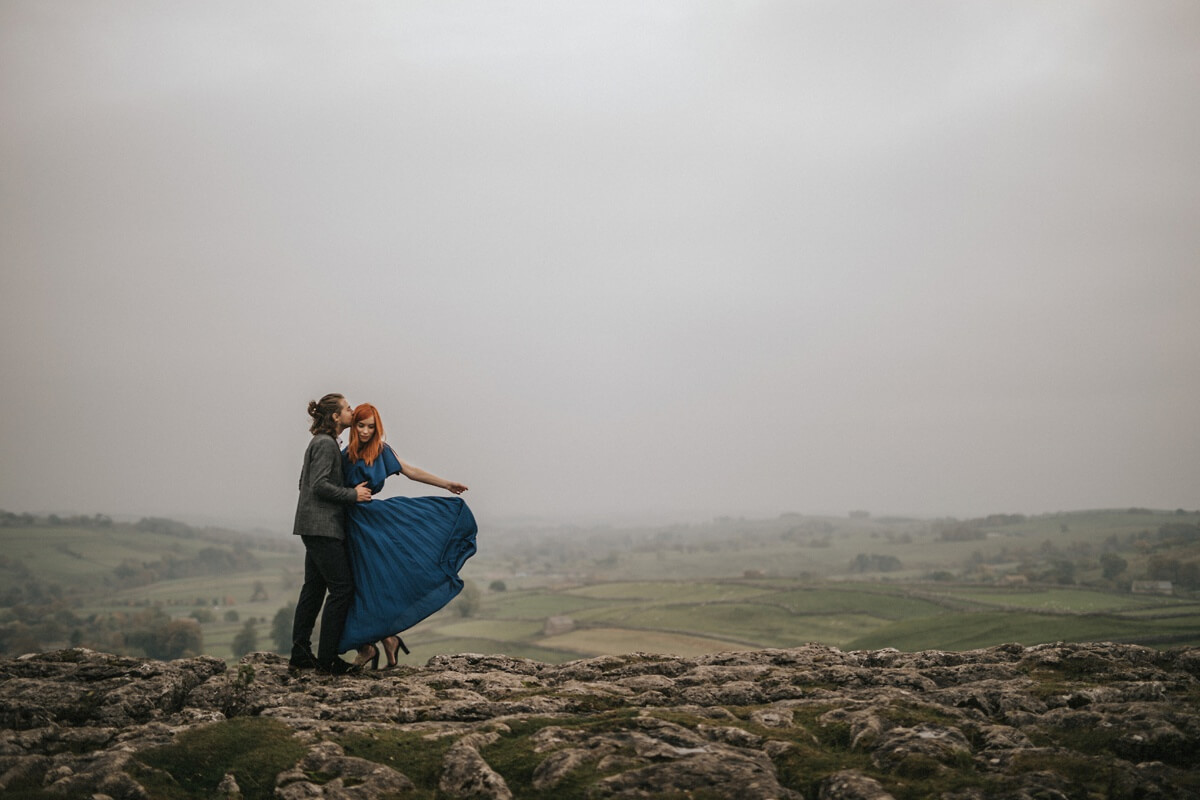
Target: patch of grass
[[588, 703], [1049, 684], [513, 757], [538, 605], [670, 591], [876, 603], [619, 641], [808, 763], [1106, 742], [685, 719], [410, 753], [970, 630], [493, 629], [1091, 741], [805, 765], [28, 787], [764, 625], [1064, 599], [1089, 773], [254, 749], [910, 715]]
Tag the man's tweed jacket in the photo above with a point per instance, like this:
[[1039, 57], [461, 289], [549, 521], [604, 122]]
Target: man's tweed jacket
[[321, 509]]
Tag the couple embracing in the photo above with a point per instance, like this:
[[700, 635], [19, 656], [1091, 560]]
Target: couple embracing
[[385, 564]]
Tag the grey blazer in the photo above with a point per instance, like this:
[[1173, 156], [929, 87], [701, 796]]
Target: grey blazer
[[321, 509]]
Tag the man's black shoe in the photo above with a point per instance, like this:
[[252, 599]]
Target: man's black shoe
[[337, 667], [302, 658]]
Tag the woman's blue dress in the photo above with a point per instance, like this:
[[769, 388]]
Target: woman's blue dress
[[405, 552]]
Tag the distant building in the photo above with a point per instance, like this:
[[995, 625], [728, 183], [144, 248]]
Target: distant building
[[558, 624], [1014, 579], [753, 573], [1153, 587]]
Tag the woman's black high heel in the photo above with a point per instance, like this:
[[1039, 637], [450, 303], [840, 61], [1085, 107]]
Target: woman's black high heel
[[362, 660], [391, 652]]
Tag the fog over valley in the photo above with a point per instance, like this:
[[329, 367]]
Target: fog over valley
[[636, 264]]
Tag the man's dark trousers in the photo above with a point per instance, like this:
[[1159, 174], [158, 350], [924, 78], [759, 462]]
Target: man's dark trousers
[[326, 568]]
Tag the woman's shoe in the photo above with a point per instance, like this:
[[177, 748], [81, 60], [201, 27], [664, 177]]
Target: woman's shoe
[[368, 652], [390, 645]]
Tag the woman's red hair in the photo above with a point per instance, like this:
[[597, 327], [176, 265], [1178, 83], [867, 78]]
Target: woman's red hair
[[371, 450]]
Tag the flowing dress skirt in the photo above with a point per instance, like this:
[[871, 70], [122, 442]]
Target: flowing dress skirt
[[406, 553]]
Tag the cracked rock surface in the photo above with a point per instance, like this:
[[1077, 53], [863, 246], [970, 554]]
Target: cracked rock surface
[[1062, 720]]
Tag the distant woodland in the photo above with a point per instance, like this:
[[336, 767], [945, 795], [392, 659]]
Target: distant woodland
[[42, 605]]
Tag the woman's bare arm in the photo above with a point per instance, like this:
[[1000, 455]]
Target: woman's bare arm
[[418, 474]]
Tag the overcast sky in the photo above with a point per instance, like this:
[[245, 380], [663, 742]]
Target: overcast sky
[[639, 260]]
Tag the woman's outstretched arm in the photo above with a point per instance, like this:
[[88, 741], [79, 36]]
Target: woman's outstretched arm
[[418, 474]]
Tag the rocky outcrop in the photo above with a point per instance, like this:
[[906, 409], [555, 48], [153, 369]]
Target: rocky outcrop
[[1064, 720]]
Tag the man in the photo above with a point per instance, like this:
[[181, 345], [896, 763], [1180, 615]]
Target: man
[[321, 524]]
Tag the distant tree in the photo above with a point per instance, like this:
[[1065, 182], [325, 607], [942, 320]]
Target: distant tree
[[1180, 532], [497, 586], [203, 615], [959, 532], [873, 563], [231, 615], [289, 579], [468, 601], [246, 640], [1183, 574], [281, 629], [160, 637], [183, 638], [1061, 571], [1189, 575], [1113, 565], [260, 593], [165, 526], [1162, 568], [17, 638]]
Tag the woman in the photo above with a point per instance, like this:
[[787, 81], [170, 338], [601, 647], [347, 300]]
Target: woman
[[405, 551]]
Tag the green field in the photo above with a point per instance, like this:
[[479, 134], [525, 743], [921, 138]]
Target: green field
[[731, 584], [1064, 599], [601, 641], [660, 618], [986, 628]]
